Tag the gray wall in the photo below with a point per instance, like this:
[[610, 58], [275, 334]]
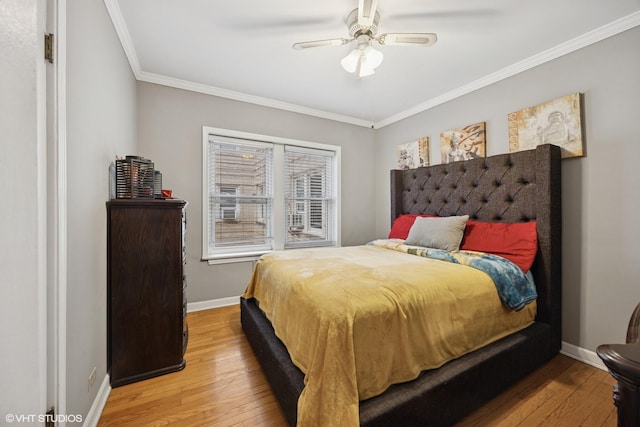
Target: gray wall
[[22, 241], [170, 133], [101, 122], [601, 192]]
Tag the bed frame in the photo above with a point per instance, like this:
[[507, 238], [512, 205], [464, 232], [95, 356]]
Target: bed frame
[[514, 187]]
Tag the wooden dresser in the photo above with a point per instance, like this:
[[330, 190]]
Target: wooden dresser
[[147, 331]]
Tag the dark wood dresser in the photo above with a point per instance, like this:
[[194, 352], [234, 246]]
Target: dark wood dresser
[[147, 331]]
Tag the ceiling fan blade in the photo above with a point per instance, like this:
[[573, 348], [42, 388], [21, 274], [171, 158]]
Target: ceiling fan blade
[[320, 43], [408, 39], [366, 12]]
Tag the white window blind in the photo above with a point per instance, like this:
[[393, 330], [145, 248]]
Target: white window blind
[[264, 193], [309, 196], [240, 195]]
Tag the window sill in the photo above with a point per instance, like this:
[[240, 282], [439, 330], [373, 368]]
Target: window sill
[[253, 256], [234, 258]]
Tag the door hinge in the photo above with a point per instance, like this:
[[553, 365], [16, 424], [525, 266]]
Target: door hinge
[[50, 419], [48, 47]]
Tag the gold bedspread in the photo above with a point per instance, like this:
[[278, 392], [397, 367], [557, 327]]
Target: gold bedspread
[[354, 320]]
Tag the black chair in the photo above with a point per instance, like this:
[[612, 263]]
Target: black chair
[[623, 362]]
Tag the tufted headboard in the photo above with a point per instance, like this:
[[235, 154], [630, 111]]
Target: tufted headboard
[[515, 187]]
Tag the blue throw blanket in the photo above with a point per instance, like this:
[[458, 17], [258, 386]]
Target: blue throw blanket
[[514, 287]]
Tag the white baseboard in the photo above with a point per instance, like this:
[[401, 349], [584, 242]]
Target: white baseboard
[[214, 303], [95, 411], [587, 356]]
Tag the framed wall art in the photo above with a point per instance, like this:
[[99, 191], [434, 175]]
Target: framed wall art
[[414, 154], [557, 122], [463, 144]]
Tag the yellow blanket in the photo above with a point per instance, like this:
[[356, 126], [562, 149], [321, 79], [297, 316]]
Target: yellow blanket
[[357, 319]]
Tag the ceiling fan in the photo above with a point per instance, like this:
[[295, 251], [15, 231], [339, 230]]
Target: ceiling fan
[[363, 26]]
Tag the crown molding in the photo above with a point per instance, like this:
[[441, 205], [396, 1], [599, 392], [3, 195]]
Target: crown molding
[[113, 8], [606, 31], [251, 99]]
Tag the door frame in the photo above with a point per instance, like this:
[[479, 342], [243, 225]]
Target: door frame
[[56, 176]]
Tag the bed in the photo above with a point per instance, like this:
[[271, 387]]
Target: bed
[[510, 188]]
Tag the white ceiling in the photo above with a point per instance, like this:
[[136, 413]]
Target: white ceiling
[[242, 50]]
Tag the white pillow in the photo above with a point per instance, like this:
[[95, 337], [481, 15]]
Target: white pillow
[[440, 233]]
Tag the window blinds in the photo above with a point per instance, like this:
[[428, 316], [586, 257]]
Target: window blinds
[[309, 196], [240, 194]]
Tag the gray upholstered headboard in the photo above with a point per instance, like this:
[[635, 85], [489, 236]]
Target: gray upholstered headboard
[[515, 187]]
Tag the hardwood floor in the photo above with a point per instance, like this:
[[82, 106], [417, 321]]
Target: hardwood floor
[[223, 385]]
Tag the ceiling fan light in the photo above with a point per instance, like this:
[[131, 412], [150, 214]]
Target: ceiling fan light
[[374, 57], [364, 68], [362, 62], [350, 62]]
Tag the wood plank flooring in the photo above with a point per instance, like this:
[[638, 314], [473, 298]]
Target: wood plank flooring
[[222, 385]]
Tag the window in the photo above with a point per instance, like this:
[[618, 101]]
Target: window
[[263, 193], [228, 206], [308, 195], [239, 196]]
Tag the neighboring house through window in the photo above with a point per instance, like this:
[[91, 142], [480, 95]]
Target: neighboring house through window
[[228, 206]]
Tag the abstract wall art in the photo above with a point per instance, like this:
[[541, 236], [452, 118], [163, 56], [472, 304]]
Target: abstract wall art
[[557, 122], [463, 144], [414, 154]]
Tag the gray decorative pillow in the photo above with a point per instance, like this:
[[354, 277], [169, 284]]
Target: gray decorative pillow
[[439, 233]]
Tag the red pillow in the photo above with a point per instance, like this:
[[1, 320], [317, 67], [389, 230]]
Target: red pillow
[[401, 226], [517, 242]]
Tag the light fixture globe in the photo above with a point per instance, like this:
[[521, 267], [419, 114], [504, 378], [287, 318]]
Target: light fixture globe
[[350, 62], [364, 59], [374, 57]]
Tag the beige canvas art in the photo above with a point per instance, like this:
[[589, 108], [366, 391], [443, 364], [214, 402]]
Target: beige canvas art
[[463, 144], [555, 122], [414, 154]]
